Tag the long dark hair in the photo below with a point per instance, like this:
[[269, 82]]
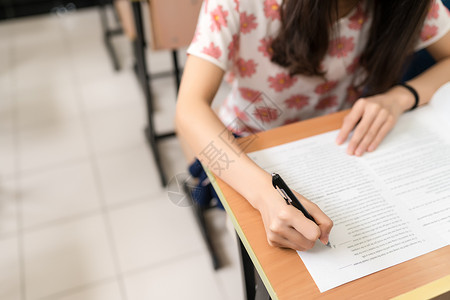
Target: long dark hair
[[303, 39]]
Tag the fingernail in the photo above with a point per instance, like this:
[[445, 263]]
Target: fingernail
[[371, 148], [339, 140], [359, 152]]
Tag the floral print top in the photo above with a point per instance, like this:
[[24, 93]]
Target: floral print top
[[236, 36]]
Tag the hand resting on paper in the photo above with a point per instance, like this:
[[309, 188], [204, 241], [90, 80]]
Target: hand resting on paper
[[372, 118], [287, 227]]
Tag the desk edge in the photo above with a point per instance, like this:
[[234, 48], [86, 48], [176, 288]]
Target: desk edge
[[242, 236]]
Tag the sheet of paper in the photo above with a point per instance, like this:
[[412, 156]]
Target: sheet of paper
[[388, 206]]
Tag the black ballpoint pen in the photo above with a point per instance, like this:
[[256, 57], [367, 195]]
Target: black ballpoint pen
[[285, 192]]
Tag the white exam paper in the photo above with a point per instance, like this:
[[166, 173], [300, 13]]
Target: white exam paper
[[388, 206]]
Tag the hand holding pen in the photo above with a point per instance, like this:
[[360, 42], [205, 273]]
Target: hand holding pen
[[291, 199]]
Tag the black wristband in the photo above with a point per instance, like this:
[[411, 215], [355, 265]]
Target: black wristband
[[414, 92]]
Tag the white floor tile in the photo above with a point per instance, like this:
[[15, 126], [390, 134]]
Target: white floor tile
[[8, 207], [189, 278], [173, 158], [35, 72], [115, 90], [9, 266], [66, 256], [129, 175], [118, 128], [230, 275], [153, 232], [107, 291], [52, 143], [48, 103], [58, 193], [5, 72], [36, 30], [7, 150], [225, 242], [90, 60], [82, 23]]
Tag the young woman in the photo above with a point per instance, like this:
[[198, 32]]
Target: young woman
[[296, 59]]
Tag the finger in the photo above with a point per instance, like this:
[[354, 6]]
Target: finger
[[281, 242], [384, 130], [322, 220], [350, 122], [287, 237], [303, 225], [298, 240], [372, 132], [364, 125]]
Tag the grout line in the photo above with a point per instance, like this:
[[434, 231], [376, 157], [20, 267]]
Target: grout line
[[53, 166], [16, 145], [79, 288], [165, 262], [96, 172], [83, 215], [75, 161]]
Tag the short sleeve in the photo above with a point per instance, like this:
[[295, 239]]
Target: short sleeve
[[436, 25], [217, 34]]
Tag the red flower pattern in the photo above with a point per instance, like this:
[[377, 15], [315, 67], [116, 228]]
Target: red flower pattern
[[237, 5], [246, 67], [266, 47], [297, 101], [250, 94], [342, 46], [248, 22], [433, 13], [241, 115], [358, 19], [229, 77], [233, 47], [325, 87], [428, 32], [326, 102], [266, 114], [272, 9], [281, 81], [212, 50], [219, 18]]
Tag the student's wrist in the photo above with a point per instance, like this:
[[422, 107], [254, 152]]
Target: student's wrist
[[261, 187], [403, 96]]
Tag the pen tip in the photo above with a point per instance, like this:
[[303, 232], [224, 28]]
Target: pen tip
[[328, 244]]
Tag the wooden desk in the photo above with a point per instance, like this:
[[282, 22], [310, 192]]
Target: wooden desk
[[283, 272]]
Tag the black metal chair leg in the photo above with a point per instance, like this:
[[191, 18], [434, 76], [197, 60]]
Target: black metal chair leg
[[141, 66], [108, 34], [254, 287], [199, 214], [249, 272], [176, 69]]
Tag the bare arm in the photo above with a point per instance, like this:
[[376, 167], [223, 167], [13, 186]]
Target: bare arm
[[198, 125]]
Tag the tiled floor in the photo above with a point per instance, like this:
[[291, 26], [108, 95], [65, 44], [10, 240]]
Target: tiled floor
[[82, 214]]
